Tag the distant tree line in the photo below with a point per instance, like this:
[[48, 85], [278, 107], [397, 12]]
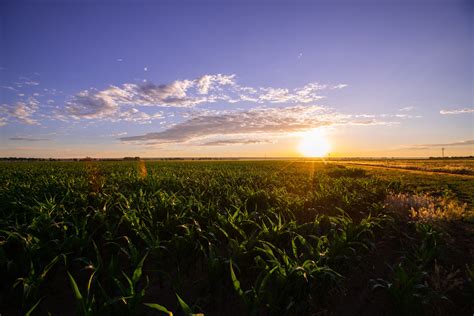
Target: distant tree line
[[136, 158]]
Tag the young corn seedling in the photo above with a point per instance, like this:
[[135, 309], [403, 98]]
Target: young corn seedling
[[86, 302]]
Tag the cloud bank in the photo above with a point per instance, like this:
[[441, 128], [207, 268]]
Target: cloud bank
[[264, 122], [99, 104]]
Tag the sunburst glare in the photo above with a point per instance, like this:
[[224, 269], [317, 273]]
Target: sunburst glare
[[314, 144]]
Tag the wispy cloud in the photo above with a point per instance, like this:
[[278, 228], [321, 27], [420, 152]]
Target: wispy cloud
[[118, 134], [26, 81], [261, 121], [407, 109], [29, 139], [340, 86], [453, 144], [226, 142], [8, 88], [457, 111]]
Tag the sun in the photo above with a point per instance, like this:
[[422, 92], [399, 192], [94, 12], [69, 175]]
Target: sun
[[314, 144]]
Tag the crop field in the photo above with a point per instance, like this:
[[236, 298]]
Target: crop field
[[453, 166], [234, 238]]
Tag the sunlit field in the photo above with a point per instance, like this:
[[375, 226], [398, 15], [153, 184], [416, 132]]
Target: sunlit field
[[454, 166], [233, 238], [236, 158]]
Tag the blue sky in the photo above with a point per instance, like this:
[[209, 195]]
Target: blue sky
[[235, 78]]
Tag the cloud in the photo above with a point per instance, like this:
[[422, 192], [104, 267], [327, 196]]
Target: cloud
[[9, 88], [407, 116], [406, 109], [174, 94], [458, 111], [453, 144], [21, 111], [115, 134], [340, 86], [226, 142], [207, 82], [90, 104], [26, 81], [29, 139], [258, 121], [106, 105], [308, 93], [31, 83], [98, 104], [135, 115]]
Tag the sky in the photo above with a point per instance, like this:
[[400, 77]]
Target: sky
[[236, 78]]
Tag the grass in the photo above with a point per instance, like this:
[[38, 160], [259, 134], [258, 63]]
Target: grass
[[223, 237]]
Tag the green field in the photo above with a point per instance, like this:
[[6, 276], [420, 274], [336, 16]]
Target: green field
[[234, 238], [450, 165], [434, 177]]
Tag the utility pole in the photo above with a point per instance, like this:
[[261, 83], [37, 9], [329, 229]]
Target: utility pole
[[442, 152]]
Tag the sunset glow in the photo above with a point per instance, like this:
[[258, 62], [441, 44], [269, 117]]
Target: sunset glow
[[314, 144], [396, 87]]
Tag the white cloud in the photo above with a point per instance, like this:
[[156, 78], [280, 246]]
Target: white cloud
[[306, 94], [97, 104], [275, 95], [207, 82], [21, 111], [407, 109], [340, 86], [135, 115], [457, 111]]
